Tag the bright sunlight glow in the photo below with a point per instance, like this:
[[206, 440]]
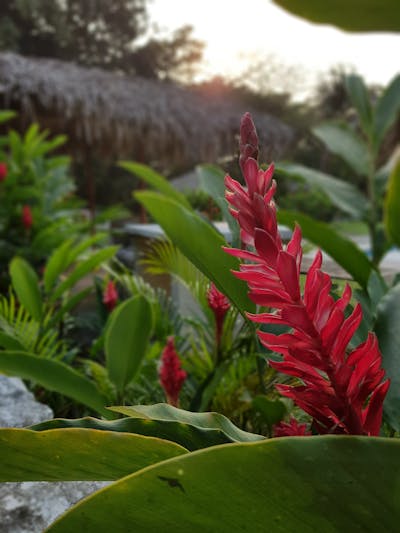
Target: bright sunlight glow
[[236, 32]]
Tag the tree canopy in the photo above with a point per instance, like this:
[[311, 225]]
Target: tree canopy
[[101, 33]]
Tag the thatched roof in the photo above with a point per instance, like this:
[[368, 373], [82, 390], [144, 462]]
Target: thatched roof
[[159, 123]]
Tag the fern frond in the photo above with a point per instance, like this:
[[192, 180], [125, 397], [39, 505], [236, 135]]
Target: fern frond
[[16, 322], [163, 257]]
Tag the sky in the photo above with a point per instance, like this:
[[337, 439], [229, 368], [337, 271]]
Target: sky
[[235, 31]]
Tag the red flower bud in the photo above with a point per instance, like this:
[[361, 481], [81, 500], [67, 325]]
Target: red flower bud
[[27, 218], [171, 374], [248, 140], [3, 171], [110, 296], [219, 304]]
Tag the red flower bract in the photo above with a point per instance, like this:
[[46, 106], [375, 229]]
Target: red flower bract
[[219, 304], [3, 171], [341, 389], [110, 296], [291, 429], [171, 374], [27, 218]]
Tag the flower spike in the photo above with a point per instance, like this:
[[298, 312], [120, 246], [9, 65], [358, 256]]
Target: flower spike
[[171, 374], [342, 390]]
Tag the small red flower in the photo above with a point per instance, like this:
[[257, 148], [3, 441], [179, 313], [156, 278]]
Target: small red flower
[[171, 374], [219, 304], [291, 429], [110, 296], [27, 218], [3, 171], [342, 389]]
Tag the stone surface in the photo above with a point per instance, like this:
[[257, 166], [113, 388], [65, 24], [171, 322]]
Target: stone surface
[[30, 507], [18, 407]]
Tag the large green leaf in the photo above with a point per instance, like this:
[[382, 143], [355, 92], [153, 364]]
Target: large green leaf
[[358, 93], [388, 332], [208, 421], [6, 115], [190, 436], [127, 338], [26, 285], [324, 484], [342, 250], [387, 109], [212, 181], [9, 342], [84, 268], [155, 180], [341, 193], [56, 264], [342, 141], [77, 454], [349, 15], [54, 376], [64, 256], [392, 205], [200, 242]]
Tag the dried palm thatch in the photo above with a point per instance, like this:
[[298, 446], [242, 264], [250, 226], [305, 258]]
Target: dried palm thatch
[[111, 115]]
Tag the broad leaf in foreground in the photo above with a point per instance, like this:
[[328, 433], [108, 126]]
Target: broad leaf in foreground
[[77, 454], [304, 484]]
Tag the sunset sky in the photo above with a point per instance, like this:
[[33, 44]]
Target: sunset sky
[[235, 31]]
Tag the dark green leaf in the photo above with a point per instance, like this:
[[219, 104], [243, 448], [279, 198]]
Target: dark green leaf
[[212, 181], [201, 243], [335, 484], [26, 286], [271, 411], [77, 454], [85, 267], [6, 115], [392, 205], [342, 141], [155, 180], [342, 250], [127, 339], [168, 413], [341, 193], [9, 343], [388, 332], [387, 109], [54, 376], [187, 435], [358, 93], [349, 15]]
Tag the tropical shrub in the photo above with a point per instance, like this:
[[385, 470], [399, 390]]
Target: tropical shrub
[[362, 147], [37, 208], [183, 481]]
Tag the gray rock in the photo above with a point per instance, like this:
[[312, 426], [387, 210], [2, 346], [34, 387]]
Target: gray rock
[[18, 407], [29, 507]]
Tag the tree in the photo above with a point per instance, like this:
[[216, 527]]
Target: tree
[[99, 33]]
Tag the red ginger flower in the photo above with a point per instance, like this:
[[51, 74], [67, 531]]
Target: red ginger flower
[[219, 304], [110, 296], [342, 391], [3, 171], [291, 429], [27, 218], [171, 374]]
